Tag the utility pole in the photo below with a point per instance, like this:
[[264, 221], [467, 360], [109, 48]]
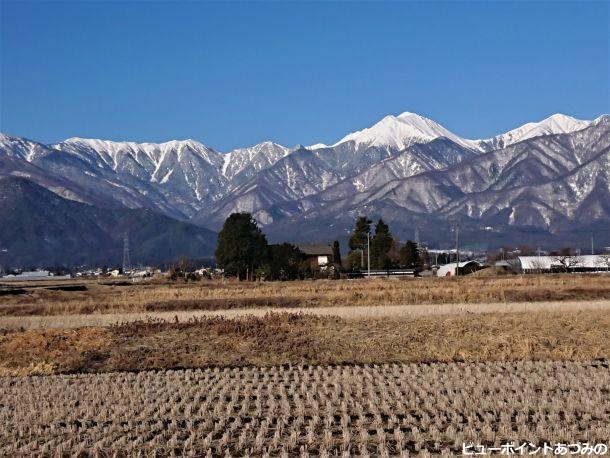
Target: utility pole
[[368, 253], [457, 250]]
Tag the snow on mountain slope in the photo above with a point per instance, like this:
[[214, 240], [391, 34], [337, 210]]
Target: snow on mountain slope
[[317, 146], [150, 157], [541, 182], [555, 124], [185, 172], [21, 148], [187, 179], [400, 132], [67, 175], [246, 162]]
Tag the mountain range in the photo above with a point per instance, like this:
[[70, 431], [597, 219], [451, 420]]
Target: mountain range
[[545, 182]]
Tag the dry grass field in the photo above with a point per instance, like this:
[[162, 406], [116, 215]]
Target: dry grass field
[[390, 312], [372, 410], [276, 339], [216, 295], [350, 368]]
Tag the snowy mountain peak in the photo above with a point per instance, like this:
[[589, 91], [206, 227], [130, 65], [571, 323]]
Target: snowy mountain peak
[[111, 146], [400, 132], [603, 119], [253, 158], [316, 146], [554, 124]]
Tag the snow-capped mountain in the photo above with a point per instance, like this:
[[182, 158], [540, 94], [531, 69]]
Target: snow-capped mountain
[[554, 184], [555, 124], [185, 172], [243, 163], [402, 167], [400, 132]]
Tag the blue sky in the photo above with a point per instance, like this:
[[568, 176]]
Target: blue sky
[[233, 74]]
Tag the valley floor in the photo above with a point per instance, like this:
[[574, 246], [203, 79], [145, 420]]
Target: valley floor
[[379, 368]]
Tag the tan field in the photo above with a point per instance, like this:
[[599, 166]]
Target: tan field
[[351, 368], [70, 321], [122, 297]]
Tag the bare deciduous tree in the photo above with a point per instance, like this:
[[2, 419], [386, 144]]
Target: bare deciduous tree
[[605, 260], [567, 261]]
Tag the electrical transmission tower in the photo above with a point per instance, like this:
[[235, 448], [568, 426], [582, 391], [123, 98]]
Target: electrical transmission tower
[[126, 258]]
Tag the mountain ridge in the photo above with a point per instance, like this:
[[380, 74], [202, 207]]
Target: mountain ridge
[[40, 228], [187, 180]]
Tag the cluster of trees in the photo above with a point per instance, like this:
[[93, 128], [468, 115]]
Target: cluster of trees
[[384, 252], [243, 251]]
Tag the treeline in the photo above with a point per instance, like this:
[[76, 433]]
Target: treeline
[[384, 251], [243, 252]]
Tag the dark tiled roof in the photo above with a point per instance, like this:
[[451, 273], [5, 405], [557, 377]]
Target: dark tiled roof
[[316, 249]]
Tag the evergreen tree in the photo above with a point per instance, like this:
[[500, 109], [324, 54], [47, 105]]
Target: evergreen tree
[[357, 243], [410, 257], [381, 244], [355, 260], [337, 254], [284, 262], [242, 247], [357, 240]]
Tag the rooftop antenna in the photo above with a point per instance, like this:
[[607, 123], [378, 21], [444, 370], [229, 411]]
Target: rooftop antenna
[[126, 258]]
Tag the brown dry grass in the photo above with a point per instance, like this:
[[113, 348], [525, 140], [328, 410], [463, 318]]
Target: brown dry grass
[[222, 296], [307, 339], [391, 312]]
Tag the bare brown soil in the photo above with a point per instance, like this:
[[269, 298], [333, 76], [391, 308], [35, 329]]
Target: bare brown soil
[[277, 339], [217, 295]]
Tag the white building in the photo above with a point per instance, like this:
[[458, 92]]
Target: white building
[[34, 275], [449, 270], [584, 263]]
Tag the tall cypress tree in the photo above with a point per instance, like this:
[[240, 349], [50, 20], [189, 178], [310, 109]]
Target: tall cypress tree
[[337, 254], [381, 244], [357, 240], [410, 256], [242, 247]]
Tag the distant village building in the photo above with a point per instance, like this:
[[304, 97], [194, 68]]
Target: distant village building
[[317, 255], [34, 275], [465, 267]]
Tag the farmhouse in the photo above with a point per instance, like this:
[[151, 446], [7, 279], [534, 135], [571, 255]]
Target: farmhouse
[[317, 255]]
